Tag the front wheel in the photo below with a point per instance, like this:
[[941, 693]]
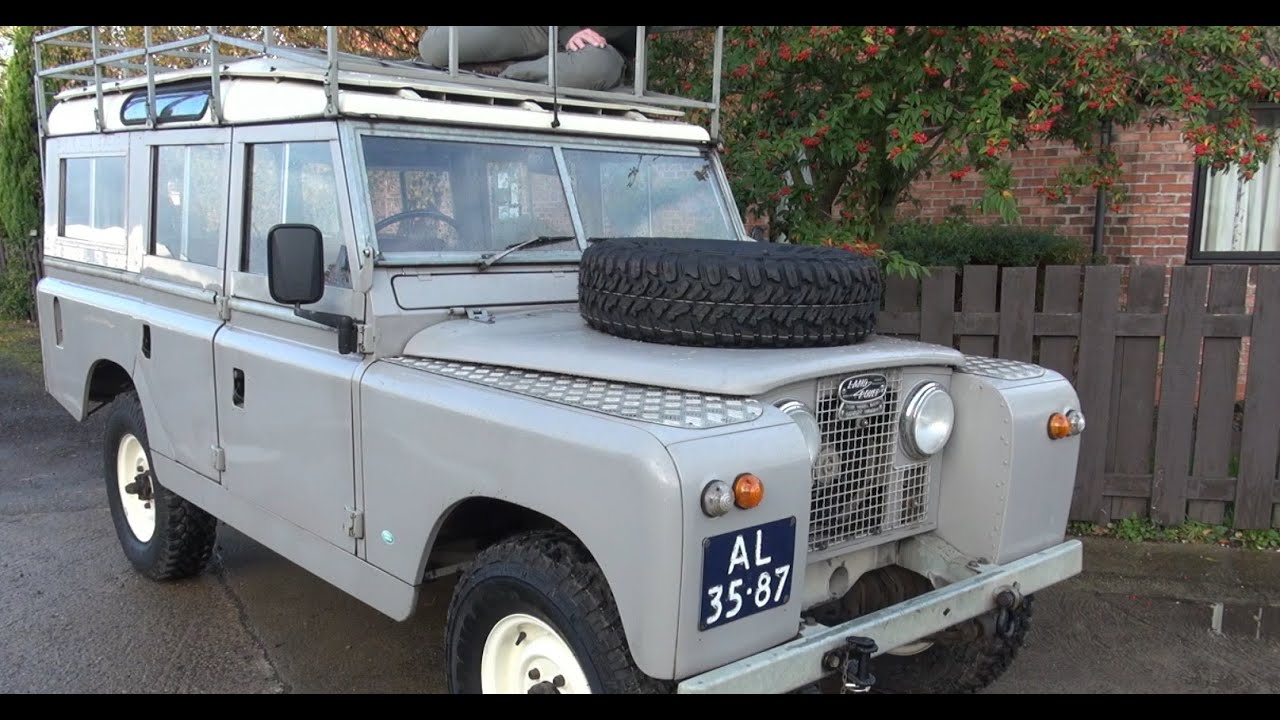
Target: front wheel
[[534, 615], [966, 658]]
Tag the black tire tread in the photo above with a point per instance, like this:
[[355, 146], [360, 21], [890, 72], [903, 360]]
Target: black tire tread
[[719, 293], [958, 668], [580, 587], [185, 534], [191, 535], [963, 664]]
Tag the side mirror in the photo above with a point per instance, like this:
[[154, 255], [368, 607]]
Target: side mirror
[[295, 264], [295, 276]]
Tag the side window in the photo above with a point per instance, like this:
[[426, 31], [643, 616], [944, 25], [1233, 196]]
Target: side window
[[294, 183], [93, 197], [190, 202]]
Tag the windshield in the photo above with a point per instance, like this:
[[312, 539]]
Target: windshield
[[641, 195], [471, 199]]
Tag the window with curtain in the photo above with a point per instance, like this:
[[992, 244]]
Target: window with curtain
[[1239, 220]]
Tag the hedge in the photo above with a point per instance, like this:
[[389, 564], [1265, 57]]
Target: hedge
[[958, 243]]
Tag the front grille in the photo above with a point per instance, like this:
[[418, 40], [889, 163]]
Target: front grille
[[859, 491]]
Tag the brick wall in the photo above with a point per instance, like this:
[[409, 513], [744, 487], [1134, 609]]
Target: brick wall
[[1151, 227]]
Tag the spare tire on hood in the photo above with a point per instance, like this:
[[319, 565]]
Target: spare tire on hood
[[724, 293]]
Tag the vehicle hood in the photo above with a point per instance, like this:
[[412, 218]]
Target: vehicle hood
[[560, 341]]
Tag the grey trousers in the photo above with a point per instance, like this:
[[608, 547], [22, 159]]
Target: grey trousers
[[590, 68]]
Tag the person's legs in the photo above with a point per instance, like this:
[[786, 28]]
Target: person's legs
[[590, 68], [483, 43]]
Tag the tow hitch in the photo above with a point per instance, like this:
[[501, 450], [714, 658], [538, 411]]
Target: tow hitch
[[854, 662]]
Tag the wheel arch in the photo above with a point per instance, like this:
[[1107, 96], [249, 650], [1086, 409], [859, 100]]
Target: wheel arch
[[486, 521], [502, 520], [105, 380]]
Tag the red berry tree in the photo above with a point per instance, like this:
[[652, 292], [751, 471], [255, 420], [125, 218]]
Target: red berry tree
[[827, 127]]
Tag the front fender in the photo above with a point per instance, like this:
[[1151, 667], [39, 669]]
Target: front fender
[[1006, 486], [430, 442]]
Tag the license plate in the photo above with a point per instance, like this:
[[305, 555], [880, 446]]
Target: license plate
[[746, 571]]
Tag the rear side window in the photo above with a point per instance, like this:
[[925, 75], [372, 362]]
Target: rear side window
[[190, 203], [93, 199]]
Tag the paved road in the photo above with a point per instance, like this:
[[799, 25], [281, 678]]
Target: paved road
[[75, 618]]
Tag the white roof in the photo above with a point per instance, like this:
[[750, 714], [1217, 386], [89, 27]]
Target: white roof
[[271, 89]]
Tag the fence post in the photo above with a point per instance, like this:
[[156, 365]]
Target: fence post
[[938, 306], [1097, 357], [1017, 313], [1180, 367], [36, 253], [1255, 488], [1219, 376], [1133, 393], [1061, 297], [978, 295], [901, 295]]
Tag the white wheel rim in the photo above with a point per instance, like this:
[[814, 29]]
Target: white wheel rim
[[131, 461], [914, 648], [523, 651]]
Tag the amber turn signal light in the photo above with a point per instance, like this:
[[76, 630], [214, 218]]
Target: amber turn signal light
[[748, 491], [1059, 426]]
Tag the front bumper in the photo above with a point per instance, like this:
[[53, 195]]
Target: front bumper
[[799, 662]]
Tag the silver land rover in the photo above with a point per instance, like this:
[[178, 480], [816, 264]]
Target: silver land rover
[[400, 323]]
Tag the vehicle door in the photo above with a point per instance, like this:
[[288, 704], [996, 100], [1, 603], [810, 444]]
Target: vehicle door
[[179, 182], [284, 392]]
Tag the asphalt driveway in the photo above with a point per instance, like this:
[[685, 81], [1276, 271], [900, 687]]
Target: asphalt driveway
[[75, 618]]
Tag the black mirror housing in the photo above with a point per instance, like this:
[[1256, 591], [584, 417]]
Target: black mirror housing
[[295, 276], [295, 264]]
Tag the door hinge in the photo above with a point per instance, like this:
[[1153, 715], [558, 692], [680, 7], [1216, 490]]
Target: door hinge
[[480, 315], [219, 459], [366, 337], [354, 524], [224, 307]]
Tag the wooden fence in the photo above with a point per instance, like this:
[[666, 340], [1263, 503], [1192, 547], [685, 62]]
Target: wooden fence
[[1158, 356]]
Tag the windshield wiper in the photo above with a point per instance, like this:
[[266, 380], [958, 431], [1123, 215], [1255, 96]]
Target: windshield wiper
[[485, 263]]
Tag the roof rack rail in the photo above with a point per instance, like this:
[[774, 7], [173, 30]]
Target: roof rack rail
[[122, 65]]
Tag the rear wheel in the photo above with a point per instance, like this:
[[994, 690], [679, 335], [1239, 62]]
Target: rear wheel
[[533, 614], [164, 536]]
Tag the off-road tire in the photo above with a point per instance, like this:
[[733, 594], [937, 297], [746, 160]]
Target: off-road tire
[[549, 575], [959, 667], [953, 666], [718, 293], [184, 534]]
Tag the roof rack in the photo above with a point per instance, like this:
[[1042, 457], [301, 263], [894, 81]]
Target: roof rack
[[112, 67]]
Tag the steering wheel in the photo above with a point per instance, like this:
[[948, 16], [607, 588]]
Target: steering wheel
[[423, 212], [417, 241]]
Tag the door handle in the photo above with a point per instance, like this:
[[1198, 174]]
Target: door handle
[[237, 387]]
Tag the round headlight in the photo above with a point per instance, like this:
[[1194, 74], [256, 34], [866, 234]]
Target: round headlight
[[808, 423], [927, 420]]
